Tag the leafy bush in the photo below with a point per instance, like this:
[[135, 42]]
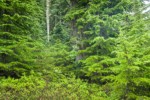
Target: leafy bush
[[34, 87]]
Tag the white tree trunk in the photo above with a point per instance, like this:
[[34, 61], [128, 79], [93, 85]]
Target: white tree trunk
[[47, 19]]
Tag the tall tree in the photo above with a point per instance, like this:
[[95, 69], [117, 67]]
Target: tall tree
[[47, 18], [130, 67], [20, 27]]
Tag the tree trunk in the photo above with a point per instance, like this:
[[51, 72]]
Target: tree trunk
[[47, 19]]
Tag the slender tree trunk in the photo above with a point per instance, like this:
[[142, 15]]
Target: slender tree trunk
[[47, 19]]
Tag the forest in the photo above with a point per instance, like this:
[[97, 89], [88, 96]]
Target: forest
[[74, 49]]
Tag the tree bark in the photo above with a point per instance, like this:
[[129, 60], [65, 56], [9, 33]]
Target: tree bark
[[47, 19]]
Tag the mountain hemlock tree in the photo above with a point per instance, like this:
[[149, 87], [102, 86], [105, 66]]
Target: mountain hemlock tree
[[95, 24], [131, 65], [19, 28]]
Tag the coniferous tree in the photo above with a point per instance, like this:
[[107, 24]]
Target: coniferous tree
[[97, 50], [131, 65], [18, 31], [97, 24]]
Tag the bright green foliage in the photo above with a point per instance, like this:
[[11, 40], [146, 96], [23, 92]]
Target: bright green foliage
[[112, 38], [131, 64], [96, 25], [19, 28], [98, 50], [131, 70], [23, 88], [33, 87]]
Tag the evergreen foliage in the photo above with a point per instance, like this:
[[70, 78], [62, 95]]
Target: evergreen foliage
[[98, 50], [19, 30]]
